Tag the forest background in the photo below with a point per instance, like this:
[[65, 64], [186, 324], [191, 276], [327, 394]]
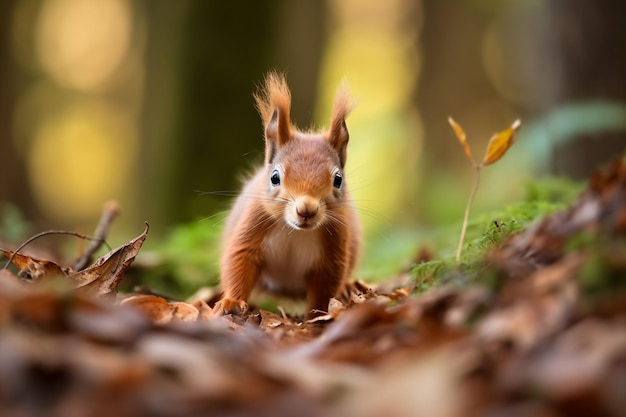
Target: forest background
[[148, 102]]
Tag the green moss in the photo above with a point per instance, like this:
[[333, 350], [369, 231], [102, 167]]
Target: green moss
[[426, 274], [487, 231]]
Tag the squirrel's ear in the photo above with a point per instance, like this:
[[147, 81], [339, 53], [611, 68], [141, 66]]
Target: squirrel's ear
[[271, 134], [338, 135], [278, 128], [273, 101], [338, 138]]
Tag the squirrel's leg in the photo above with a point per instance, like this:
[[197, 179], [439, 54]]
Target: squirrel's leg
[[322, 285], [324, 282], [238, 278], [240, 268], [319, 292]]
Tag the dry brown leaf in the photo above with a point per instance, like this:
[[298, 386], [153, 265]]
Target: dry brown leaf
[[532, 345], [270, 320], [157, 309], [36, 268], [500, 143], [161, 311], [460, 134], [102, 278], [204, 311], [184, 311]]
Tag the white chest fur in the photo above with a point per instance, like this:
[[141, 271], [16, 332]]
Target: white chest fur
[[289, 254]]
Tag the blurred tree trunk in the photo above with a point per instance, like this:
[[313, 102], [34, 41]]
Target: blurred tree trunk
[[204, 61], [297, 50], [586, 43], [453, 81], [14, 186]]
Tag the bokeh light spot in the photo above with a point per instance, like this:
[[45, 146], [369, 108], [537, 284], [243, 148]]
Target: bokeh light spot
[[81, 159], [82, 42]]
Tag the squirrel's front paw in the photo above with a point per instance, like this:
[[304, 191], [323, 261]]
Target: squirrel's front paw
[[230, 306]]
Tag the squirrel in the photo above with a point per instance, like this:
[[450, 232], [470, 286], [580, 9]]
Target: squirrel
[[293, 229]]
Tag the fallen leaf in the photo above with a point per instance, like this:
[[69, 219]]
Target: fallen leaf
[[36, 269], [523, 339], [204, 311], [102, 278], [161, 311], [157, 309], [500, 143], [184, 311], [270, 320], [460, 134]]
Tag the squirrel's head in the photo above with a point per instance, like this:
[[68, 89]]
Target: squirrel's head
[[305, 171]]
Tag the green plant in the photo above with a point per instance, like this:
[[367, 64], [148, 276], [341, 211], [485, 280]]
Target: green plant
[[488, 230], [497, 147]]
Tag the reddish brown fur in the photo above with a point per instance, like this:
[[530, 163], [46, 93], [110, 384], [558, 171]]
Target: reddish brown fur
[[302, 235]]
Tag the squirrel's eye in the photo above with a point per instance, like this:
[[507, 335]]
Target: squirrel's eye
[[275, 178], [338, 180]]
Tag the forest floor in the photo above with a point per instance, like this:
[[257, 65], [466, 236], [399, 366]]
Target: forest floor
[[541, 332]]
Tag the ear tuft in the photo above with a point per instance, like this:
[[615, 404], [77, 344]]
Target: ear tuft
[[273, 101], [338, 135]]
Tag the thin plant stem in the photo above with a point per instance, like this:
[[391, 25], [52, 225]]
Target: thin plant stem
[[467, 211]]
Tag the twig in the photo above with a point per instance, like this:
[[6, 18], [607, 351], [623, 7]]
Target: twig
[[109, 213]]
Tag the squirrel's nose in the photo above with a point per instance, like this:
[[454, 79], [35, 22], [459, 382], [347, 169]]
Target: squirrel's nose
[[307, 208], [306, 213]]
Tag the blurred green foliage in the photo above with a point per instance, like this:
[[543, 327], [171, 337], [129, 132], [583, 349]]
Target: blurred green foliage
[[603, 270], [13, 225], [186, 260]]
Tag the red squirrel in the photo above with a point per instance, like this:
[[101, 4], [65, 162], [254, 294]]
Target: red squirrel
[[293, 229]]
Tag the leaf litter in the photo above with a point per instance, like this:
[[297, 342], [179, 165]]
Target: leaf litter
[[534, 341]]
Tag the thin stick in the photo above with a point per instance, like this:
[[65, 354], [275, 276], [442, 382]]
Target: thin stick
[[109, 213], [37, 236], [467, 210]]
